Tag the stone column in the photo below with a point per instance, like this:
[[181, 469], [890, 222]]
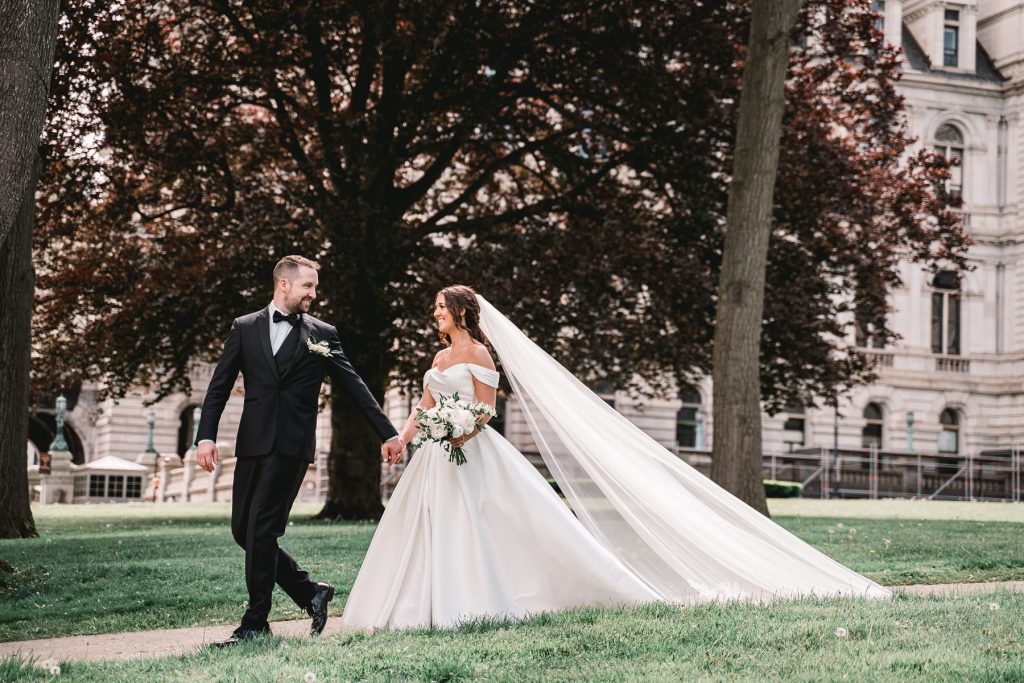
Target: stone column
[[190, 465], [161, 479], [190, 461], [59, 485]]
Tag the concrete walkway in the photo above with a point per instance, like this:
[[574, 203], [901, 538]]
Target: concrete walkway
[[177, 641], [159, 643]]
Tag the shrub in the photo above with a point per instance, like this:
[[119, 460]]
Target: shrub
[[782, 489]]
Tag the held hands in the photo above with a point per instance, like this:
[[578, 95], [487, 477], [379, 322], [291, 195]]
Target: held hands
[[207, 455], [460, 441], [392, 451]]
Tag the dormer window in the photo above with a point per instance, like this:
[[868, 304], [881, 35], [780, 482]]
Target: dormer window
[[951, 39]]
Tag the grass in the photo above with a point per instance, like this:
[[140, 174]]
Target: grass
[[898, 508], [135, 567], [108, 568], [906, 638]]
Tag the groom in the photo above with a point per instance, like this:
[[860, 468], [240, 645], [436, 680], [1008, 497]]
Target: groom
[[282, 353]]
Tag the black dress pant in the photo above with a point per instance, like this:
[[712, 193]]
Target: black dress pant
[[262, 495]]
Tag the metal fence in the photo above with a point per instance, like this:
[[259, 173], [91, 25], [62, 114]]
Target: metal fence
[[872, 473]]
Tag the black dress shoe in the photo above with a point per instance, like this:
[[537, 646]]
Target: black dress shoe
[[242, 634], [318, 607]]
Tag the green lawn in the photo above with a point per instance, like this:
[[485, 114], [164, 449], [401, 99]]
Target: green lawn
[[108, 568], [907, 638], [119, 568]]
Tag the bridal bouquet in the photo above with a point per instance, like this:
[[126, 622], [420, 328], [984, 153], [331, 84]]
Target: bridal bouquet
[[451, 418]]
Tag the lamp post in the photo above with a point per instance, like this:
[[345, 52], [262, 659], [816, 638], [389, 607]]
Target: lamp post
[[150, 424], [59, 444], [910, 431], [910, 448]]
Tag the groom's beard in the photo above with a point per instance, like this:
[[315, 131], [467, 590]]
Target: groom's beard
[[300, 306]]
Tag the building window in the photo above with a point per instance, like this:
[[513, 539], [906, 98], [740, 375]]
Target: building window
[[133, 487], [686, 419], [950, 145], [97, 486], [186, 429], [115, 486], [878, 6], [946, 313], [949, 437], [951, 39], [81, 484], [793, 429], [865, 334], [871, 435]]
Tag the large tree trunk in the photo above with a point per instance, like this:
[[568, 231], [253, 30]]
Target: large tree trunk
[[28, 32], [353, 490], [17, 286], [736, 454]]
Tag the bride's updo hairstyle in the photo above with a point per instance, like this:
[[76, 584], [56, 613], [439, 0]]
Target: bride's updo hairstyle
[[460, 300]]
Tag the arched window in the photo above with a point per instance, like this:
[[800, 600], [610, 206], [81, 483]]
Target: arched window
[[793, 434], [186, 429], [687, 427], [42, 428], [871, 435], [946, 313], [950, 145], [949, 436]]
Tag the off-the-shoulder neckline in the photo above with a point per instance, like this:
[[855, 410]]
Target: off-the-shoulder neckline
[[454, 365]]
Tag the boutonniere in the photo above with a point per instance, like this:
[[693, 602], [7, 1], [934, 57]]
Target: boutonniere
[[320, 348]]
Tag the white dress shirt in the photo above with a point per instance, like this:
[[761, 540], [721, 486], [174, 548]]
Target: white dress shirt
[[278, 330]]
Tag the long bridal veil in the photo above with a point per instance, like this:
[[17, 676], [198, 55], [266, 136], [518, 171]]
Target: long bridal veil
[[685, 536]]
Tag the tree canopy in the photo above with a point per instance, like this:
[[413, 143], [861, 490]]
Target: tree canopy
[[569, 159]]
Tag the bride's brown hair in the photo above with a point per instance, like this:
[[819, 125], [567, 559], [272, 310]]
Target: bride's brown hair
[[460, 300]]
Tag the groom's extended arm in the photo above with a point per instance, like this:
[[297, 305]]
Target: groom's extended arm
[[345, 378], [221, 384]]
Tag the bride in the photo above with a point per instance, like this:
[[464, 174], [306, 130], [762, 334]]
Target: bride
[[491, 538]]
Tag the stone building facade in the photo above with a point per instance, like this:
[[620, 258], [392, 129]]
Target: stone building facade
[[953, 385]]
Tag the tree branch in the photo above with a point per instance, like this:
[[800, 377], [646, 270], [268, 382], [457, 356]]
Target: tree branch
[[485, 175]]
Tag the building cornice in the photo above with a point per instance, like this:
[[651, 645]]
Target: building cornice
[[933, 82]]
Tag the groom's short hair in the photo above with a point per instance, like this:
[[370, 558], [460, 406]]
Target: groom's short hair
[[288, 267]]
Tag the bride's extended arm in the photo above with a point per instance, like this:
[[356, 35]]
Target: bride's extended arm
[[411, 427]]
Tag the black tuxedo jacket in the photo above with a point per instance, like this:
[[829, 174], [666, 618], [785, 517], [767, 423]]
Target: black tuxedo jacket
[[279, 413]]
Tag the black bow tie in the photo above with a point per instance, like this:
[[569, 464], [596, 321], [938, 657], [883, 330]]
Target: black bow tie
[[292, 319]]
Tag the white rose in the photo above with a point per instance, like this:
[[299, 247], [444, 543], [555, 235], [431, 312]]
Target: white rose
[[438, 430], [464, 419], [457, 431]]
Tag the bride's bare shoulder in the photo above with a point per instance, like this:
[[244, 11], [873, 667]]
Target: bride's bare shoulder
[[479, 355], [438, 356]]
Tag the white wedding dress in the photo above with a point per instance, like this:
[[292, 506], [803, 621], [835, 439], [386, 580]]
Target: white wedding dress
[[491, 538], [487, 538]]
